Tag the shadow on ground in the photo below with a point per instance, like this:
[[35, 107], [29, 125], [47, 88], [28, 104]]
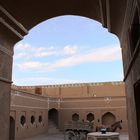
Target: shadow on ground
[[60, 136]]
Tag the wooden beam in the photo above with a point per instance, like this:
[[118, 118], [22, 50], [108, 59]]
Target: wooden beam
[[102, 4], [13, 20], [10, 28], [108, 15]]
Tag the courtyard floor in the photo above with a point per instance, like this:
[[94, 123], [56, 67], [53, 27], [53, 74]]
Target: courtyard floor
[[60, 136]]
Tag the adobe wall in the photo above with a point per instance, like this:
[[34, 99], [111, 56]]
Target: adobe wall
[[79, 89], [23, 104], [96, 106], [130, 43], [95, 98]]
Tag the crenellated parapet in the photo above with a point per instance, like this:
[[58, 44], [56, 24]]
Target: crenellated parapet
[[77, 90], [71, 85]]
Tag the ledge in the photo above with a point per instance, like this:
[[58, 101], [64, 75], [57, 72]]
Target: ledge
[[5, 80]]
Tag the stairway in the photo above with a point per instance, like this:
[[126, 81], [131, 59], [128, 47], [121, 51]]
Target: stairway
[[52, 128]]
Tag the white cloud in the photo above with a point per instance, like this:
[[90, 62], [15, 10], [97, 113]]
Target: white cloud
[[21, 46], [26, 51], [105, 54], [70, 49], [42, 80], [31, 65]]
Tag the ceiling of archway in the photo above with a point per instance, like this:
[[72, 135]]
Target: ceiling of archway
[[31, 12]]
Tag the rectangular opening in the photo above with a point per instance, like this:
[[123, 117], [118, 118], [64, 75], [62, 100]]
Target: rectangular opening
[[137, 103], [38, 90]]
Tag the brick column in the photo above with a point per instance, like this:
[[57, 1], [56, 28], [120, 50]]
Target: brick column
[[11, 31], [5, 87]]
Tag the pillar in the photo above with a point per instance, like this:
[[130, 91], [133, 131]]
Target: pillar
[[5, 83], [11, 31], [131, 60]]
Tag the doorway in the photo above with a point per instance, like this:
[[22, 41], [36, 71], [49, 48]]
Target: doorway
[[12, 129], [53, 118], [137, 100]]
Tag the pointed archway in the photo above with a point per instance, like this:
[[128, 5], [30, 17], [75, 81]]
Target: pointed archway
[[53, 118], [90, 117]]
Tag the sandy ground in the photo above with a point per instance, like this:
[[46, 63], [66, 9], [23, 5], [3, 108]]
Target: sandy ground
[[60, 136]]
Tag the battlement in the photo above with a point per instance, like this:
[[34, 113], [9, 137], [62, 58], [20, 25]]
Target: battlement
[[70, 85]]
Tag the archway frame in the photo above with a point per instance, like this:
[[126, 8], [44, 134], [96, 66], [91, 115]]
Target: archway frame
[[115, 15]]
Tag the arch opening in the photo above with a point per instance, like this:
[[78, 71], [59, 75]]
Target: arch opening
[[53, 118], [78, 49]]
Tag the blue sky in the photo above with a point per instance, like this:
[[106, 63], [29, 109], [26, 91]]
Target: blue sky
[[67, 49]]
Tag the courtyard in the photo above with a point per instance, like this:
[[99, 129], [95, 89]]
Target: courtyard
[[60, 136]]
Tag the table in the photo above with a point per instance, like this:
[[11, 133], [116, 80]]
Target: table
[[100, 136]]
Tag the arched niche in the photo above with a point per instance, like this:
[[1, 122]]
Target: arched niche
[[108, 118], [90, 117], [75, 117], [40, 119], [32, 120], [22, 120]]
